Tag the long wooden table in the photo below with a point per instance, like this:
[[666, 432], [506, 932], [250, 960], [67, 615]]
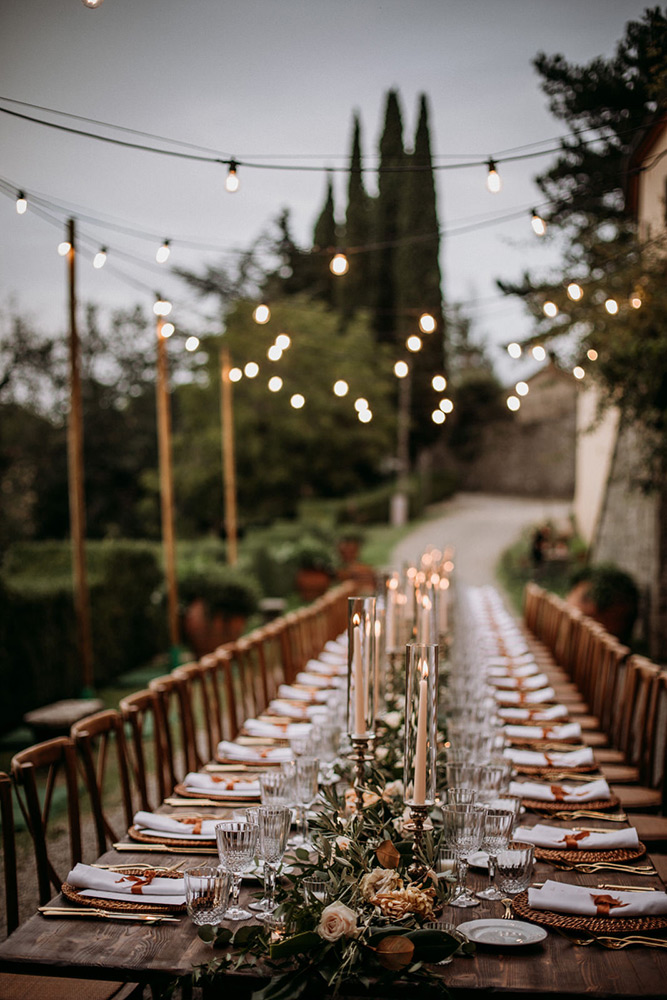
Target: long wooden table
[[157, 954]]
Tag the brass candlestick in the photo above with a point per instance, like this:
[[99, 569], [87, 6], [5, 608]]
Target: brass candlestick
[[418, 814], [361, 752]]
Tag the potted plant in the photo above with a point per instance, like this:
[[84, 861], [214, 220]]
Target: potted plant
[[607, 594], [349, 544], [217, 602], [315, 567]]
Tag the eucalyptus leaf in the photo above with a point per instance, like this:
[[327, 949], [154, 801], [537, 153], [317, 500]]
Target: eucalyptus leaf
[[296, 945]]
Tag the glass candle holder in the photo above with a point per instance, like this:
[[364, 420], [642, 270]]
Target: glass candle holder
[[421, 706], [361, 666]]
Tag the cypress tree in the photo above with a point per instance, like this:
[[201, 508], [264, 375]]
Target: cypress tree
[[418, 277], [356, 290], [325, 237], [387, 221]]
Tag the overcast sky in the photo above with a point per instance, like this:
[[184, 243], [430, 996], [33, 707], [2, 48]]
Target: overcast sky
[[276, 81]]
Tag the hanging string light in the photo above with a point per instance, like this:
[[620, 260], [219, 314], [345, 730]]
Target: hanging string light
[[611, 305], [426, 323], [493, 181], [283, 341], [414, 343], [163, 252], [21, 203], [401, 369], [446, 405], [64, 248], [168, 329], [513, 403], [521, 388], [592, 354], [438, 417], [297, 401], [100, 258], [538, 352], [439, 383], [514, 350], [232, 181], [636, 300], [262, 314], [365, 416], [192, 343], [578, 372], [575, 291], [161, 307], [275, 383], [550, 309], [339, 264], [251, 370], [274, 353], [235, 374], [92, 4], [341, 388], [538, 223]]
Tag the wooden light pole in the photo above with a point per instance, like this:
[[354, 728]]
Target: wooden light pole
[[166, 482], [77, 503], [228, 461]]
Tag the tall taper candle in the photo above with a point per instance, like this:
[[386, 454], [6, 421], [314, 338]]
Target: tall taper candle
[[419, 795]]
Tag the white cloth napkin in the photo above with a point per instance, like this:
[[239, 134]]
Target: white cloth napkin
[[547, 714], [320, 681], [301, 694], [531, 683], [237, 752], [333, 659], [338, 645], [156, 825], [587, 791], [326, 668], [99, 883], [580, 899], [534, 758], [555, 838], [255, 727], [301, 711], [511, 661], [525, 697], [224, 786], [568, 731], [527, 670]]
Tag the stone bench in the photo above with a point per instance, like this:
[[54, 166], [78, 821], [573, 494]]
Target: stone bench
[[58, 718]]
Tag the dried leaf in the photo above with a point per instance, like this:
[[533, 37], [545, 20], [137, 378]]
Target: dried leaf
[[387, 855], [395, 952]]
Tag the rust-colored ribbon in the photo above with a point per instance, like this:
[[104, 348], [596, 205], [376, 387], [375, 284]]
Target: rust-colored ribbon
[[558, 792], [229, 783], [604, 903], [139, 881], [550, 761], [571, 839], [546, 732], [194, 821]]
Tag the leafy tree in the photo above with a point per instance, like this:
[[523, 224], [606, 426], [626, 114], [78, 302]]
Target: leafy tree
[[325, 239], [606, 104], [284, 454], [355, 291]]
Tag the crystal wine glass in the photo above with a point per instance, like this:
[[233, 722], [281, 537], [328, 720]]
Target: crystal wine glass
[[306, 786], [464, 829], [237, 841], [498, 825], [273, 826]]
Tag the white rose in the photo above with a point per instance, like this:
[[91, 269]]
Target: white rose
[[392, 719], [337, 921], [393, 789]]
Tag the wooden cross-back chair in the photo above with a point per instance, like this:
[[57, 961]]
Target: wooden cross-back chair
[[102, 753], [199, 712], [172, 727], [15, 986], [146, 748], [41, 774]]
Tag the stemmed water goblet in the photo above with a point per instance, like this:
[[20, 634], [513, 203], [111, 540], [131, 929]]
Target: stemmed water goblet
[[306, 789], [498, 825], [273, 826], [464, 830], [237, 841]]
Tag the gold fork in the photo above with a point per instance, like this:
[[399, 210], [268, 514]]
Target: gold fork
[[604, 866], [590, 814], [613, 943], [507, 903]]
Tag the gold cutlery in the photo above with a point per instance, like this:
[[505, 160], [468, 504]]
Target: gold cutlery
[[139, 864], [614, 943], [165, 849], [70, 911], [603, 866], [507, 903], [193, 803], [229, 767], [629, 888], [589, 814]]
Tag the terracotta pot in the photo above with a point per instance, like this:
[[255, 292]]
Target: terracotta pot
[[205, 632], [617, 619], [312, 583]]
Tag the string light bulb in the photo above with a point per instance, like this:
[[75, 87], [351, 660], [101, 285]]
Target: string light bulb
[[161, 307], [550, 309], [275, 383], [426, 323], [575, 291], [64, 248], [192, 343], [163, 252], [592, 354], [339, 265], [493, 181], [446, 405], [232, 181], [262, 314], [341, 388], [235, 374], [251, 370], [438, 417], [514, 350], [92, 4], [636, 300], [167, 330], [100, 258], [297, 401], [522, 388], [578, 372], [365, 416], [538, 352], [274, 353], [401, 369], [513, 403], [283, 341], [414, 343], [538, 223], [439, 383], [611, 305], [21, 203]]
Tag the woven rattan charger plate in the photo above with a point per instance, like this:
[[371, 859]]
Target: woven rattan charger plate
[[589, 857], [232, 800], [74, 895], [542, 806], [136, 834], [597, 925]]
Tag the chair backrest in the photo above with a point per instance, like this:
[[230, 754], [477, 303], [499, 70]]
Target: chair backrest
[[102, 753], [45, 778], [173, 727], [9, 853], [146, 753]]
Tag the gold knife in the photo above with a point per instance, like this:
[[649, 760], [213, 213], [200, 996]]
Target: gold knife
[[165, 849], [70, 911]]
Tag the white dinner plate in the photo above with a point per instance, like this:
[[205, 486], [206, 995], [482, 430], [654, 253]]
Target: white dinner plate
[[479, 859], [506, 933]]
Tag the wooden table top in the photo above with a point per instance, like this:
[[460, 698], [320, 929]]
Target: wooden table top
[[159, 953]]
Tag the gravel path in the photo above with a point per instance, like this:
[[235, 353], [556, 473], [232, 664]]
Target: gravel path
[[479, 526]]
